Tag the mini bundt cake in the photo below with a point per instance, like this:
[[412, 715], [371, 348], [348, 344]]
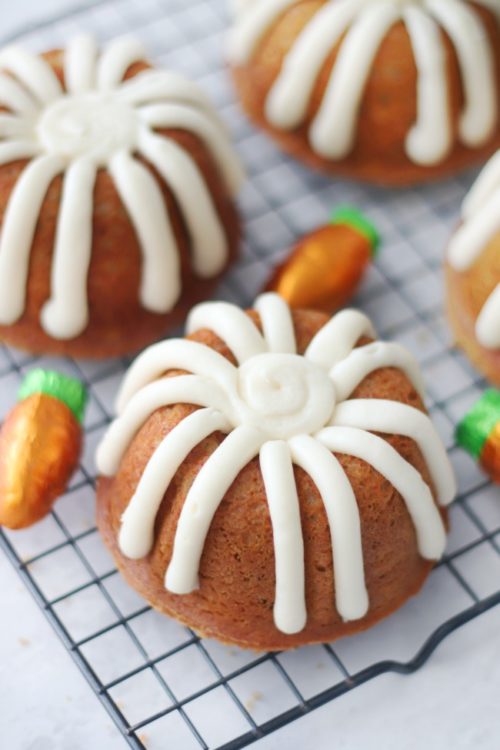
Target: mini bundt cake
[[116, 199], [273, 479], [389, 91], [473, 273]]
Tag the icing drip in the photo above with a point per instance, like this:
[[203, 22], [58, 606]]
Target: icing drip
[[343, 518], [359, 28], [100, 121], [481, 222], [287, 409], [290, 613]]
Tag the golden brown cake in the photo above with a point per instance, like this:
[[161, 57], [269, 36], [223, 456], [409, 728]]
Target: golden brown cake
[[273, 479], [393, 92], [116, 199], [473, 273]]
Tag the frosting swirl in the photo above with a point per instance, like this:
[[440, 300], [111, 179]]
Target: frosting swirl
[[283, 395]]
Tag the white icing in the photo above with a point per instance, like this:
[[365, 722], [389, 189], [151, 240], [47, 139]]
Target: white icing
[[481, 223], [174, 354], [91, 124], [97, 121], [335, 341], [354, 368], [277, 323], [18, 231], [137, 529], [477, 68], [116, 60], [141, 195], [200, 123], [430, 138], [79, 64], [289, 409], [359, 27], [380, 415], [185, 389], [429, 527], [67, 309], [290, 614], [283, 395], [32, 72], [15, 98], [231, 325], [204, 497], [488, 322], [333, 131], [351, 597]]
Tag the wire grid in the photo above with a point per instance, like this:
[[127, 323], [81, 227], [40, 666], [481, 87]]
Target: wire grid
[[160, 683]]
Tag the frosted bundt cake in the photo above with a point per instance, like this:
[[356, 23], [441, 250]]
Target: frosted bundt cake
[[116, 198], [473, 273], [273, 480], [388, 91]]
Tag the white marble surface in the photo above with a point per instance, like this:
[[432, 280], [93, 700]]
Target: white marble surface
[[45, 704]]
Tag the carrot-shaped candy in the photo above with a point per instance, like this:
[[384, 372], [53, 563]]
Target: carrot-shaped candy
[[479, 433], [40, 443], [325, 267]]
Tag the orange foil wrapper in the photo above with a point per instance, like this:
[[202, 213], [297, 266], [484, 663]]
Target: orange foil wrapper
[[40, 444], [326, 266]]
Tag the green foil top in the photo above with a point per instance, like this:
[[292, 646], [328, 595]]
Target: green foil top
[[478, 424], [68, 390], [353, 218]]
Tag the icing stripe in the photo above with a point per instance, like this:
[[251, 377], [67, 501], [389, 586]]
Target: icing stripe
[[35, 74], [18, 230], [429, 527], [486, 183], [351, 597], [12, 126], [205, 128], [203, 499], [333, 131], [430, 138], [258, 17], [289, 97], [290, 614], [277, 323], [231, 325], [163, 85], [488, 322], [477, 65], [116, 60], [14, 97], [79, 64], [352, 370], [137, 528], [66, 314], [381, 415], [184, 389], [338, 338], [15, 150], [471, 237], [173, 354], [140, 194], [208, 237]]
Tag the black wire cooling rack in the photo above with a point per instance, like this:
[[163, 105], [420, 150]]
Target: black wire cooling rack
[[162, 685]]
